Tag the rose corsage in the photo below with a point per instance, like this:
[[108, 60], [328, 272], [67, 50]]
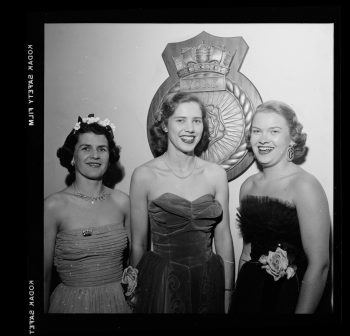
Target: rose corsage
[[277, 264], [129, 284]]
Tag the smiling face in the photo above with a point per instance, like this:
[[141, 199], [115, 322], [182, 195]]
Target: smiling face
[[185, 127], [91, 155], [270, 138]]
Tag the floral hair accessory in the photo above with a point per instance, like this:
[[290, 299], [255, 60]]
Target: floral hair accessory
[[90, 119], [277, 264]]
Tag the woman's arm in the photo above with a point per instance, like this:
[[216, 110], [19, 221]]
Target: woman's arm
[[139, 214], [50, 231], [244, 191], [222, 235], [314, 221], [122, 204], [245, 255]]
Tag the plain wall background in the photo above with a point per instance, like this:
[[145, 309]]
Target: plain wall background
[[114, 70]]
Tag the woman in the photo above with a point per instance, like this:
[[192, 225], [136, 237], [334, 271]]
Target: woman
[[185, 199], [284, 220], [86, 226]]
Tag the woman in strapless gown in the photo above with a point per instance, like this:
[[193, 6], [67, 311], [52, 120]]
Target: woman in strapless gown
[[179, 206], [86, 226], [284, 220]]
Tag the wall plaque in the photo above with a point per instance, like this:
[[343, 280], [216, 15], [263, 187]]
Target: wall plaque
[[209, 66]]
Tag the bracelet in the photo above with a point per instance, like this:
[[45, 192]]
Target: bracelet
[[228, 289], [231, 262]]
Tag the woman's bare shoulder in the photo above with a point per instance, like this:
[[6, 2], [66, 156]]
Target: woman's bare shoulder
[[147, 169], [306, 187], [211, 168], [304, 180], [56, 200], [248, 184], [120, 197]]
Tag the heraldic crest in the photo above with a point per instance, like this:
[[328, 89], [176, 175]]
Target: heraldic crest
[[209, 66]]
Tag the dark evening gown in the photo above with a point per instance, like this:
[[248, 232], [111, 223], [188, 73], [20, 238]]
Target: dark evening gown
[[268, 223], [90, 267], [181, 274]]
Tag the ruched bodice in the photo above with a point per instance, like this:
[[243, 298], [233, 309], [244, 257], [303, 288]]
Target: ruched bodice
[[90, 265], [181, 274], [182, 230], [91, 260]]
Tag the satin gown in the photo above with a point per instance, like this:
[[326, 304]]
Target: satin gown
[[181, 274], [268, 223], [90, 268]]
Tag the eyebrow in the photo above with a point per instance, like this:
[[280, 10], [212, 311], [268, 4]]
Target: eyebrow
[[89, 145], [269, 127], [186, 117]]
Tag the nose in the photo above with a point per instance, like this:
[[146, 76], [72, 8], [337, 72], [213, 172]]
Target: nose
[[189, 127], [264, 138], [95, 153]]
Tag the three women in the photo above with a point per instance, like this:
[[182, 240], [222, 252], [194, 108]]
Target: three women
[[179, 207]]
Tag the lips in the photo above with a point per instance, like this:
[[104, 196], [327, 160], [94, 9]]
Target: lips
[[265, 149], [94, 164], [188, 139]]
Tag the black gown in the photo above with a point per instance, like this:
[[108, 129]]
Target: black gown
[[268, 223], [181, 274]]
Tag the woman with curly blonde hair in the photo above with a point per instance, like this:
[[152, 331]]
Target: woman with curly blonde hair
[[284, 220]]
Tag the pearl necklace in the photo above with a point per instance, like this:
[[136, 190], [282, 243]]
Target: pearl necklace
[[164, 157], [101, 197]]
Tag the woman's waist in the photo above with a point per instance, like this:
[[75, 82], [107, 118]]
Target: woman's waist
[[74, 274], [186, 255], [291, 250], [90, 285]]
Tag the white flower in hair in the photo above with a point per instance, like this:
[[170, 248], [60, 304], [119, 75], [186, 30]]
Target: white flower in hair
[[91, 120], [105, 122], [77, 126]]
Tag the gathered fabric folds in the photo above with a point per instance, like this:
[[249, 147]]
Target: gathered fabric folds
[[181, 274], [90, 267], [268, 223]]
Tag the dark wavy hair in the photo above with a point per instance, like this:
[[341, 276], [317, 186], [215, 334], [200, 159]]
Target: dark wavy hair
[[66, 152], [295, 127], [159, 138]]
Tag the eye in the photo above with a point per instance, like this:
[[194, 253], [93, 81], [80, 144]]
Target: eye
[[275, 131], [85, 148], [255, 131], [198, 121], [103, 149], [180, 120]]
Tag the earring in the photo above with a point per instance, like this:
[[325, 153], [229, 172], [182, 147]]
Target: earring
[[290, 153], [72, 163]]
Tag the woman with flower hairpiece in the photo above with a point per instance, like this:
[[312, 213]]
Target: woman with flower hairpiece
[[86, 226], [185, 200], [284, 220]]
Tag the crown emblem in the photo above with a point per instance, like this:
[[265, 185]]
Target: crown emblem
[[203, 58]]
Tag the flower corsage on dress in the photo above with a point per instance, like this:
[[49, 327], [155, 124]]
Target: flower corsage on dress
[[277, 264], [129, 284]]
